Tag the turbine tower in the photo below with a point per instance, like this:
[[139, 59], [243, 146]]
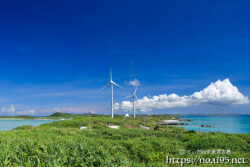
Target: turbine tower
[[111, 83], [133, 98]]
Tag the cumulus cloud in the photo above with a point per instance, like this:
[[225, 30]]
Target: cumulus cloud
[[220, 92], [135, 82], [10, 109], [158, 102]]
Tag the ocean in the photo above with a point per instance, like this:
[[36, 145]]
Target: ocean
[[222, 123], [8, 124]]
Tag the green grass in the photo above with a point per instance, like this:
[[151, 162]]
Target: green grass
[[61, 143]]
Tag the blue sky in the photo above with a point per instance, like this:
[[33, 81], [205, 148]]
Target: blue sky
[[55, 55]]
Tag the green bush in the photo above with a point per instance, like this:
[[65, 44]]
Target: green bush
[[219, 142], [62, 143]]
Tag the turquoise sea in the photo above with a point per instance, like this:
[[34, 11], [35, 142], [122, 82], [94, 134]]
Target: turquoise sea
[[223, 123], [8, 124]]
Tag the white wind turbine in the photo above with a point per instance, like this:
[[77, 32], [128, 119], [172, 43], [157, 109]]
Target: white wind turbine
[[111, 83], [133, 97]]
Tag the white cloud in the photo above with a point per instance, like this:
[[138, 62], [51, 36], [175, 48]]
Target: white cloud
[[158, 102], [220, 92], [135, 82], [116, 106], [27, 112], [11, 109], [3, 109]]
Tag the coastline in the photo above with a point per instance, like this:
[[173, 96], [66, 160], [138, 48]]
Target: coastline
[[25, 119], [31, 118]]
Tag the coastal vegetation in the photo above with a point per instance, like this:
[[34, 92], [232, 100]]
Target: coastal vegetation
[[57, 115], [18, 117], [62, 143], [62, 115]]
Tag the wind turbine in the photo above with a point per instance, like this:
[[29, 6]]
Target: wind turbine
[[133, 97], [111, 83]]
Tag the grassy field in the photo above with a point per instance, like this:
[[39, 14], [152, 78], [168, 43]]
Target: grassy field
[[62, 143]]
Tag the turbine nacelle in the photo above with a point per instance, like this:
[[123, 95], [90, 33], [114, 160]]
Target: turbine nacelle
[[133, 95]]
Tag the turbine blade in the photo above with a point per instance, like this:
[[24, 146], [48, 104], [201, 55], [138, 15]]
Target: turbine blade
[[117, 84], [103, 87], [136, 97], [110, 74], [135, 90], [128, 96]]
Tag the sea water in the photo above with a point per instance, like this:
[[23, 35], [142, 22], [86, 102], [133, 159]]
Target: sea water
[[8, 124], [223, 123]]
